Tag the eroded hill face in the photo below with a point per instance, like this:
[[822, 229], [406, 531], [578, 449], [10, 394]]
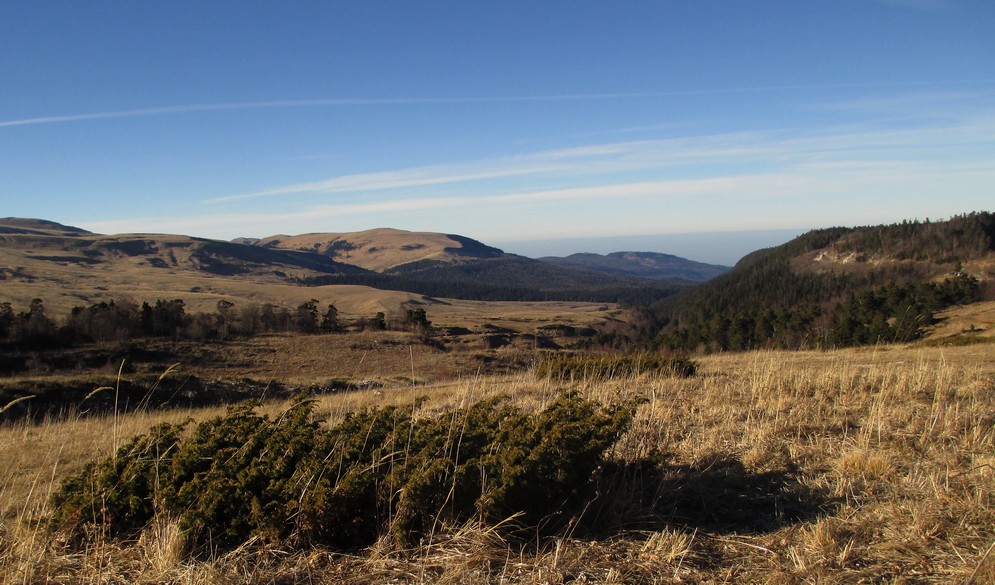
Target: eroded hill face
[[383, 249]]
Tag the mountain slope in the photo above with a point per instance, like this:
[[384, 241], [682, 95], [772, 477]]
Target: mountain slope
[[38, 227], [383, 249], [838, 286], [60, 263], [510, 278], [23, 242], [641, 264]]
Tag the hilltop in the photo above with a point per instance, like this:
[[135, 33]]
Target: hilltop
[[383, 249], [436, 258], [37, 227]]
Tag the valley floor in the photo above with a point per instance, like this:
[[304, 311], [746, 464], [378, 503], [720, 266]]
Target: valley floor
[[865, 465]]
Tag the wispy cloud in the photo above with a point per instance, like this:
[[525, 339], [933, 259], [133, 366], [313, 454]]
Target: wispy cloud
[[743, 185], [546, 162], [761, 179], [913, 103], [416, 177], [782, 149], [871, 189]]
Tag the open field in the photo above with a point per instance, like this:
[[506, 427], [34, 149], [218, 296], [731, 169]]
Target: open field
[[868, 465], [201, 295], [976, 319]]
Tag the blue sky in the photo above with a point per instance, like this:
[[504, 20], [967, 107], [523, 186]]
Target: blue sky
[[516, 123]]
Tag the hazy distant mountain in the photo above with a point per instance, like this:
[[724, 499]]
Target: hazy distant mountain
[[719, 248], [641, 264]]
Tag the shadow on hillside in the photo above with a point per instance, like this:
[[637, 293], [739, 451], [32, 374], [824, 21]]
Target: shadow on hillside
[[720, 496]]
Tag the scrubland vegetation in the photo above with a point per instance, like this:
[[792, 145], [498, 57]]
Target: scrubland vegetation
[[859, 465]]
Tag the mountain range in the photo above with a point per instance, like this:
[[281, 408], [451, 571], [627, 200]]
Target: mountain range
[[66, 265]]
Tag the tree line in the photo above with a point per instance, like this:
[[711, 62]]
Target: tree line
[[456, 287], [114, 321], [887, 314]]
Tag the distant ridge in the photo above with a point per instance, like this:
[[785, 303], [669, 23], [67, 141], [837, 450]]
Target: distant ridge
[[38, 227], [641, 265]]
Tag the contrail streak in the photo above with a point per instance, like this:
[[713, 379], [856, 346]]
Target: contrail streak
[[142, 112], [332, 102]]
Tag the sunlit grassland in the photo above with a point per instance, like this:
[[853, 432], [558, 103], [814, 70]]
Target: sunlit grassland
[[873, 465]]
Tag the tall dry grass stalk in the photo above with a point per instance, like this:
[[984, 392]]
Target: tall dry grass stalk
[[853, 466]]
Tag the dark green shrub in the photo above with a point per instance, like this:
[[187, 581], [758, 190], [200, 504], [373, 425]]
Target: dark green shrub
[[288, 480], [452, 463], [351, 499], [117, 495], [238, 475], [546, 464]]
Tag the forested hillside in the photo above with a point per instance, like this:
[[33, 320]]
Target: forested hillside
[[511, 278], [837, 287], [641, 264]]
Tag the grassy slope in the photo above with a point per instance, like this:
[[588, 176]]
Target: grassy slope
[[377, 249], [871, 465], [974, 320]]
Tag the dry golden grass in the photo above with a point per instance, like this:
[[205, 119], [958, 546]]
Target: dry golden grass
[[872, 465], [976, 319], [376, 249]]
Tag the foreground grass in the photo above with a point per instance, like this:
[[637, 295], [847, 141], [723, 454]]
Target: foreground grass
[[839, 467]]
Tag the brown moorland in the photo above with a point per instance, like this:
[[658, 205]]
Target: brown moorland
[[862, 465]]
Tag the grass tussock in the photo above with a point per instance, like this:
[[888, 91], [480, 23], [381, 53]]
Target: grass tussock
[[840, 467]]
